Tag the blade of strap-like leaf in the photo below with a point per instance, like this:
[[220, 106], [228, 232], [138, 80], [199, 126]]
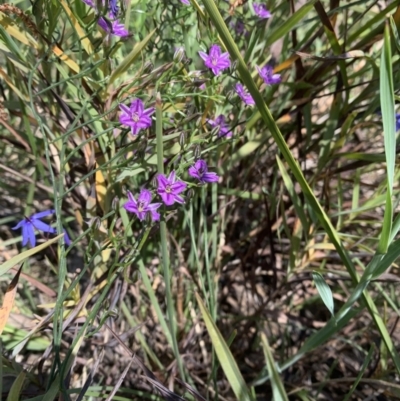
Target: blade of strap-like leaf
[[16, 388], [389, 134], [225, 357]]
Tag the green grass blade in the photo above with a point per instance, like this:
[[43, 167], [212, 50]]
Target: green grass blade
[[278, 389], [389, 133], [16, 388], [225, 356], [324, 291]]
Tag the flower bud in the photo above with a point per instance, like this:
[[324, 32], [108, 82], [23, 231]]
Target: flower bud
[[182, 139], [115, 203], [154, 181], [197, 152], [179, 54]]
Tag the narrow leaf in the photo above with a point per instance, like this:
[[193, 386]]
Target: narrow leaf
[[225, 357], [389, 134], [324, 291], [278, 389]]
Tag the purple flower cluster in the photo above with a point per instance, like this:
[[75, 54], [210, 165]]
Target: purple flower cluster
[[169, 188], [112, 26], [32, 223]]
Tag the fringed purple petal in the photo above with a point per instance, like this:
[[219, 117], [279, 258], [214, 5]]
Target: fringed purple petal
[[167, 198], [137, 106], [178, 187], [162, 181]]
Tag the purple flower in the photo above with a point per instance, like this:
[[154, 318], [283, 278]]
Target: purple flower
[[136, 116], [267, 74], [222, 127], [215, 60], [200, 171], [142, 206], [169, 188], [114, 9], [29, 224], [113, 28], [244, 95], [261, 10], [397, 122], [186, 2]]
